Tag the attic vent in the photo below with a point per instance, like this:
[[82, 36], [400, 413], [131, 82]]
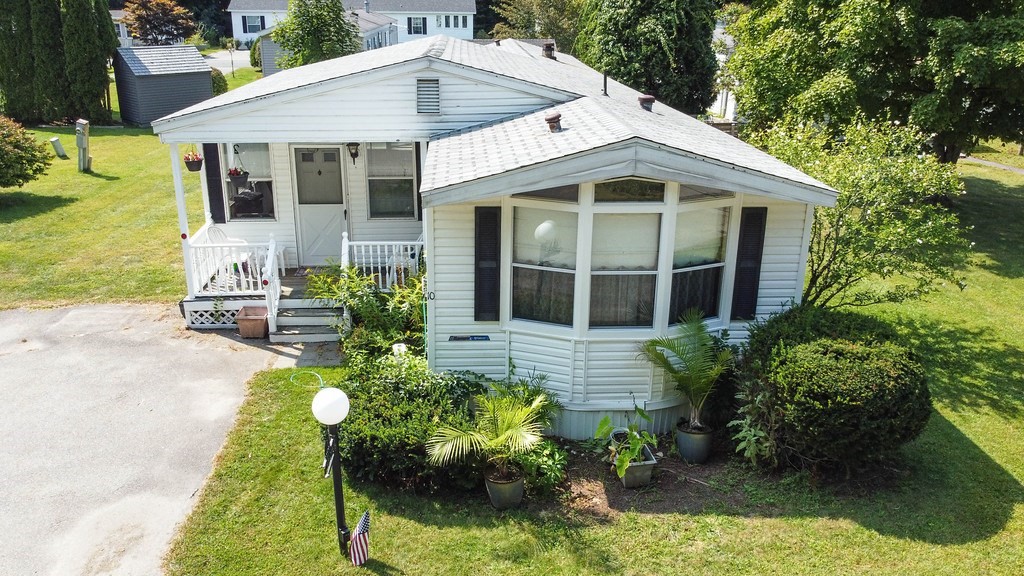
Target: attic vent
[[428, 96]]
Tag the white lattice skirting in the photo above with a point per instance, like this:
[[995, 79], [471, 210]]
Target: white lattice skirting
[[211, 314]]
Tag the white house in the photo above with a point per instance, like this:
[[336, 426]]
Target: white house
[[561, 217], [123, 36], [250, 17]]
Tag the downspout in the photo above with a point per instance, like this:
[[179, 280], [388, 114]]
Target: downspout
[[179, 196]]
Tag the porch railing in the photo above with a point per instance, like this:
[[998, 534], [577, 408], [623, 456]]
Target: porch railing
[[227, 267], [271, 284], [388, 263]]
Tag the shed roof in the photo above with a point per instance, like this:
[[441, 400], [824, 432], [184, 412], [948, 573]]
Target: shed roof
[[159, 60]]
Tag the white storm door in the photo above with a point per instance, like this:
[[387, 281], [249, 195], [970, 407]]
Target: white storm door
[[322, 212]]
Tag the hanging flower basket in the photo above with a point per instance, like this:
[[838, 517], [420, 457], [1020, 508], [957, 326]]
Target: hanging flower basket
[[193, 161], [238, 177]]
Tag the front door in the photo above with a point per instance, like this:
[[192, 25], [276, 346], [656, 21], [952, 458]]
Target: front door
[[322, 210]]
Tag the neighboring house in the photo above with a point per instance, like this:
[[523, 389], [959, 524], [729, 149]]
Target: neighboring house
[[422, 18], [375, 31], [123, 36], [558, 225], [249, 18], [153, 81]]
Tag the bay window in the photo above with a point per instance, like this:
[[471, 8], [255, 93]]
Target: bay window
[[543, 265], [698, 261], [624, 269]]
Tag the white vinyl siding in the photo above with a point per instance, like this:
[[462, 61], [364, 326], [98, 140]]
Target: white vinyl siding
[[382, 110], [450, 277]]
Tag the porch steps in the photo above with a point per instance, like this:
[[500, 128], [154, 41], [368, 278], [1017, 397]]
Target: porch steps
[[300, 319]]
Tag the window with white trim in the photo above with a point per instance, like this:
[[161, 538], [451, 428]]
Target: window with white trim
[[543, 265], [252, 197], [464, 20], [391, 179], [698, 262], [624, 269], [252, 24], [417, 25]]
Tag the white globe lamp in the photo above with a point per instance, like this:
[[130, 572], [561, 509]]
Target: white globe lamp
[[330, 406]]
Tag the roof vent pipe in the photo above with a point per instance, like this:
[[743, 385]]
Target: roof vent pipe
[[647, 102], [366, 6], [549, 50], [554, 121]]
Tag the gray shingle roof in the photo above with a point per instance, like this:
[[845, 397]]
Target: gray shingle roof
[[257, 5], [590, 118], [156, 60]]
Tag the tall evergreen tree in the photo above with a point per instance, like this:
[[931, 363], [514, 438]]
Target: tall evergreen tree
[[105, 26], [661, 47], [86, 62], [18, 70], [50, 82]]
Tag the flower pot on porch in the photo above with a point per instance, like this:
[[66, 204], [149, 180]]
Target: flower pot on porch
[[239, 180], [194, 165], [252, 322]]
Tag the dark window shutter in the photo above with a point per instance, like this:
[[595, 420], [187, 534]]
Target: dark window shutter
[[408, 25], [419, 198], [214, 182], [263, 23], [424, 25], [487, 281], [748, 263]]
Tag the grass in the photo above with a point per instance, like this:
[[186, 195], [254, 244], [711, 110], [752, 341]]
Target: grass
[[956, 502], [108, 236], [242, 76], [999, 151]]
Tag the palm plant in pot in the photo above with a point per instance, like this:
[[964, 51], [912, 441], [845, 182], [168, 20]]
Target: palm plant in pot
[[694, 362], [504, 427]]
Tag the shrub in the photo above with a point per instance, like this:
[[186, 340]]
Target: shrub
[[397, 407], [255, 54], [22, 158], [378, 319], [847, 403], [543, 467], [220, 84]]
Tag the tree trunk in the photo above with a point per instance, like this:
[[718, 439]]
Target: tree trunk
[[946, 152]]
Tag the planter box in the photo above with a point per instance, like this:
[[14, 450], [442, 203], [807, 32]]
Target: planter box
[[639, 473], [252, 322]]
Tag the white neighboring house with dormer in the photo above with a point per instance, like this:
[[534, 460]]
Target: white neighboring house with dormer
[[421, 18], [249, 18]]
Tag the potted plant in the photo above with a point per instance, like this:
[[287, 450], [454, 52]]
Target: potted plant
[[193, 160], [238, 176], [694, 363], [629, 449], [504, 427]]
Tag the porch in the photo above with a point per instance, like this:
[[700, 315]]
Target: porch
[[225, 274]]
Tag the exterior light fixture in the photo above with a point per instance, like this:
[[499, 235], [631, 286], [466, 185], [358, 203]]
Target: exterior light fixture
[[330, 407], [353, 151]]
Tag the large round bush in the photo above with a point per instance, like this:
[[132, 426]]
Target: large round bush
[[396, 406], [846, 403]]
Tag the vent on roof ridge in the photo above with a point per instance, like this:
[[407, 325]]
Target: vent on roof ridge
[[428, 96], [554, 121], [549, 50]]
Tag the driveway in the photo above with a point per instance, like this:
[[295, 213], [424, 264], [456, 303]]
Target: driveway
[[112, 416], [222, 60]]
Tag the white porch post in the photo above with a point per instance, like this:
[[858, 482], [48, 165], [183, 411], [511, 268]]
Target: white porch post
[[179, 196]]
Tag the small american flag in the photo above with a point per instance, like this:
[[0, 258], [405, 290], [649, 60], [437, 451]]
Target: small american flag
[[359, 549]]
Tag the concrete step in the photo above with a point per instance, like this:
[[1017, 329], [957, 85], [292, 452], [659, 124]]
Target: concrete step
[[296, 303], [304, 334], [308, 317]]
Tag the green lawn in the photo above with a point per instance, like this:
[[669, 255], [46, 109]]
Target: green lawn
[[999, 151], [956, 504]]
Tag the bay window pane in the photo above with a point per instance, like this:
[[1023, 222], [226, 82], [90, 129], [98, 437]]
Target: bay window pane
[[625, 300], [700, 237], [544, 238], [695, 289], [629, 191], [542, 295], [625, 242]]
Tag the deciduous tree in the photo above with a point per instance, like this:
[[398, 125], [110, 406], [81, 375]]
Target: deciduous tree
[[555, 19], [315, 30], [954, 69], [158, 22], [22, 158], [661, 47], [887, 239]]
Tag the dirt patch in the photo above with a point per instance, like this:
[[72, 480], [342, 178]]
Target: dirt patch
[[676, 487]]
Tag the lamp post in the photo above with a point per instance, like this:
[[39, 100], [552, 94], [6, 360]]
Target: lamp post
[[330, 407]]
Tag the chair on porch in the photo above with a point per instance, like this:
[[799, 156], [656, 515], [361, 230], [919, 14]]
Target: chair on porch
[[217, 235]]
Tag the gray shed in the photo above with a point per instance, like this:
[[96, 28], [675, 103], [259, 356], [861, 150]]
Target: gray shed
[[154, 81]]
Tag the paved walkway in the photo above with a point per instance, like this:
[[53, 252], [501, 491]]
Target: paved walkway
[[974, 160], [112, 416]]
